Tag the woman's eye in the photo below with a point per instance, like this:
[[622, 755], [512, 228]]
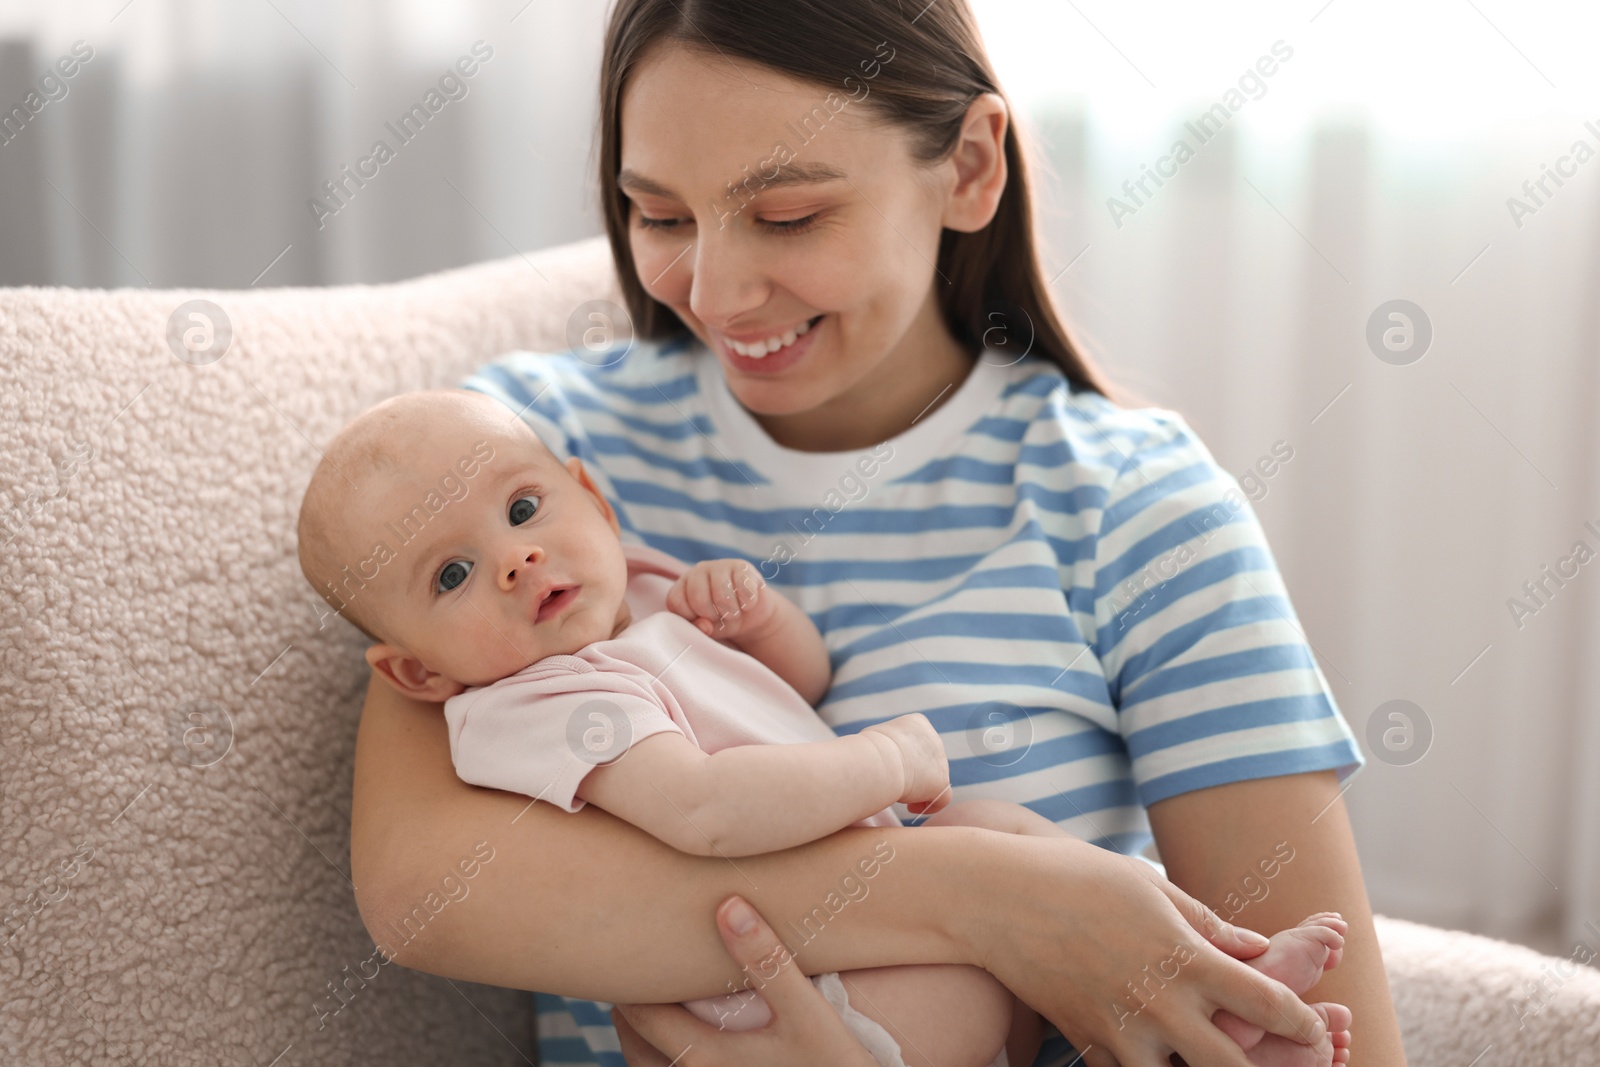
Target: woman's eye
[[454, 573], [657, 224], [788, 226], [794, 225], [522, 509]]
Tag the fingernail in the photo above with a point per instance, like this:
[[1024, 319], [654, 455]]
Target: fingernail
[[741, 917], [1253, 938]]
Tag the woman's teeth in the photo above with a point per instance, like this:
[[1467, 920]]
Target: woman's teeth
[[765, 348]]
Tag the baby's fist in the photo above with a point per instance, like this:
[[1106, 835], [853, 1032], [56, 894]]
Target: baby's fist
[[925, 787], [724, 597]]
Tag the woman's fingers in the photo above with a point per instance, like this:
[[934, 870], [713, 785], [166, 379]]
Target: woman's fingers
[[767, 964], [1273, 1006], [1210, 1047], [1255, 998], [1237, 941], [636, 1050], [804, 1029], [664, 1027]]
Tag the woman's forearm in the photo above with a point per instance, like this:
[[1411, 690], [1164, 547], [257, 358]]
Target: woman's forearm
[[587, 905]]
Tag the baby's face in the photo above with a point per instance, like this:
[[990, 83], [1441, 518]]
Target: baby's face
[[526, 564]]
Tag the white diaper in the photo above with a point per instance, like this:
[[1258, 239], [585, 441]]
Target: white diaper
[[884, 1048], [746, 1010]]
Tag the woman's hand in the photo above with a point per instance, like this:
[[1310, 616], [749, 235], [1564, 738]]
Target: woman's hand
[[804, 1029], [1128, 966]]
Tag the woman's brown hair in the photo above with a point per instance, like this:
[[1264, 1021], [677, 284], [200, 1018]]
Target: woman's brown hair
[[939, 66]]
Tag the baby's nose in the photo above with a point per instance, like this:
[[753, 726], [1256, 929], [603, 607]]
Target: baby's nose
[[521, 560]]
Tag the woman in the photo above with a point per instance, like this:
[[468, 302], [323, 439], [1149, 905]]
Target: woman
[[1072, 591]]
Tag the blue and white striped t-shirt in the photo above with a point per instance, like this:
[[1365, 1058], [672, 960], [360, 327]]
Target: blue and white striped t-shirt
[[1075, 594]]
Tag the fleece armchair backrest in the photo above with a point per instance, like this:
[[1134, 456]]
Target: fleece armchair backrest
[[177, 720]]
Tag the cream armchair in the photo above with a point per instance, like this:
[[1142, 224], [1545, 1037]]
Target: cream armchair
[[177, 718]]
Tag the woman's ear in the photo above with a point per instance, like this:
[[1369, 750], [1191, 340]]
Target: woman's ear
[[575, 465], [410, 675], [979, 159]]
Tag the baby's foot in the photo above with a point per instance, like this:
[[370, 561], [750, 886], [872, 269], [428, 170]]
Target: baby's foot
[[1296, 957]]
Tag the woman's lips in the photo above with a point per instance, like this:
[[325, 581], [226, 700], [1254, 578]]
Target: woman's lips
[[780, 360], [555, 603]]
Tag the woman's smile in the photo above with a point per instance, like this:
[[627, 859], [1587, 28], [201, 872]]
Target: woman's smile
[[765, 357]]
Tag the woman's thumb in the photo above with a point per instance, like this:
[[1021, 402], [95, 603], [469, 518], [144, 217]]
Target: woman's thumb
[[765, 960]]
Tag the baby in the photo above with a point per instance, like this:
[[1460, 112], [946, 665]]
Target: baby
[[491, 578]]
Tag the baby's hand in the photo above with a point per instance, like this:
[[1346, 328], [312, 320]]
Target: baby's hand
[[726, 598], [927, 770]]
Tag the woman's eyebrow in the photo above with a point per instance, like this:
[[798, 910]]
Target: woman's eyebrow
[[793, 173]]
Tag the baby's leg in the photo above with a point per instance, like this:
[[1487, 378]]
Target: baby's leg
[[954, 1015], [945, 1014]]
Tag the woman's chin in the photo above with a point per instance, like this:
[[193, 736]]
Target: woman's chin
[[775, 398]]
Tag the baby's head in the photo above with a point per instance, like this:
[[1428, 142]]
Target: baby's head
[[442, 527]]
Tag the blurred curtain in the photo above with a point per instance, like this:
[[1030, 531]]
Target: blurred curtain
[[187, 150], [1425, 496]]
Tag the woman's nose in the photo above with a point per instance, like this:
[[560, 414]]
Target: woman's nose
[[518, 560], [725, 283]]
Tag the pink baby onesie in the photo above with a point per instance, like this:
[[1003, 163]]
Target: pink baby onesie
[[539, 731]]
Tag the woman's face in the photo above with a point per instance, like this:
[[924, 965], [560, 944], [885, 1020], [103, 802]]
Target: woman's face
[[741, 257]]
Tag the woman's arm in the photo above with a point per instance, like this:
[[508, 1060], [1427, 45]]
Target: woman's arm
[[586, 905], [1213, 842]]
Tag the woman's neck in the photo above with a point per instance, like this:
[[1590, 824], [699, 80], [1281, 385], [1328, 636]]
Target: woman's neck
[[904, 388]]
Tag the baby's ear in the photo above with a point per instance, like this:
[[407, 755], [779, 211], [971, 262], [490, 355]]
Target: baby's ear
[[575, 465], [410, 676]]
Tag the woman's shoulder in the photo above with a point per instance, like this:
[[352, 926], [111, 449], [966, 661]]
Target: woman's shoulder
[[639, 370], [1058, 423], [567, 395]]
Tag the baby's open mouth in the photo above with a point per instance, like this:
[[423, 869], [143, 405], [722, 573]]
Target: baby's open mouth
[[555, 602]]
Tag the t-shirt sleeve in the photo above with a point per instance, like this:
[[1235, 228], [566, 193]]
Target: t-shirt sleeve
[[1204, 655], [539, 734]]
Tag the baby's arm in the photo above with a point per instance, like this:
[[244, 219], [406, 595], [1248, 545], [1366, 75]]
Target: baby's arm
[[762, 798], [728, 600]]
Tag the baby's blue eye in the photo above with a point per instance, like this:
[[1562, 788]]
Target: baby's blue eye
[[522, 509], [454, 573]]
